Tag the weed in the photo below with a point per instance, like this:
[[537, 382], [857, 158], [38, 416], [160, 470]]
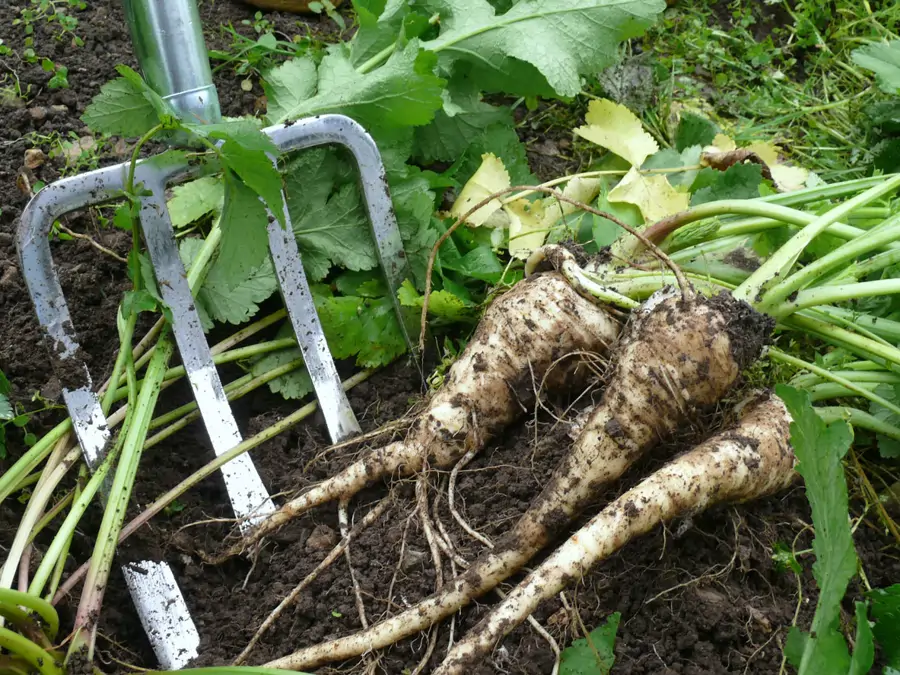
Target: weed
[[781, 70], [249, 56]]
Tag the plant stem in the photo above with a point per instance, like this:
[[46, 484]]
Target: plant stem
[[780, 262], [826, 374], [209, 469], [885, 233], [225, 357], [28, 650], [825, 295], [40, 607], [120, 493], [34, 456], [32, 515], [58, 548]]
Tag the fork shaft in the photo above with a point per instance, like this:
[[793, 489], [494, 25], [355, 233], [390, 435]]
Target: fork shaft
[[169, 46]]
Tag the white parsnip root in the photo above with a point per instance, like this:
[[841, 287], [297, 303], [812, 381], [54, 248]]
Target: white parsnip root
[[677, 356], [748, 461], [524, 333]]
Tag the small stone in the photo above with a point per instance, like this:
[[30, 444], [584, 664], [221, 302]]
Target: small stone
[[411, 559], [59, 110], [34, 157], [83, 144], [323, 537], [37, 113]]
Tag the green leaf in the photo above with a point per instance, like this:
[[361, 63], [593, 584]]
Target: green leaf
[[819, 449], [414, 206], [223, 297], [293, 385], [888, 447], [138, 301], [5, 385], [382, 25], [442, 304], [501, 141], [246, 132], [327, 214], [740, 181], [694, 130], [382, 336], [594, 655], [538, 47], [785, 559], [245, 242], [462, 120], [884, 61], [289, 85], [191, 201], [6, 409], [120, 109], [885, 610], [164, 111], [403, 92], [671, 159], [257, 172], [864, 644]]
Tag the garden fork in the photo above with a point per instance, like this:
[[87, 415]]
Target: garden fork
[[171, 51]]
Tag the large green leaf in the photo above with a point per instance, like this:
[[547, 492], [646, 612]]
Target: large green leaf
[[463, 119], [327, 214], [402, 92], [593, 655], [883, 60], [820, 449], [539, 46]]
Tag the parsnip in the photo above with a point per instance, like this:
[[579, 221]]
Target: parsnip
[[748, 461], [535, 325], [676, 357]]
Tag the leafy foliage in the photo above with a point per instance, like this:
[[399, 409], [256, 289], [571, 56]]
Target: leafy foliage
[[820, 448], [538, 47], [884, 61], [592, 655]]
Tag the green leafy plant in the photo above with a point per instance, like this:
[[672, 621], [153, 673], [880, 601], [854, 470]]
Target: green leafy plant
[[594, 653], [820, 449]]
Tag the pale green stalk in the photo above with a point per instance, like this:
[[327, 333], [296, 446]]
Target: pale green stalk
[[885, 233], [826, 374], [119, 495], [28, 650], [780, 262]]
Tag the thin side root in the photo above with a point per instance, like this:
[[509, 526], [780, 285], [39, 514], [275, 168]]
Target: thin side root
[[336, 552]]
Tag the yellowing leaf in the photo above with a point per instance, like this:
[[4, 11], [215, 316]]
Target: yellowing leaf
[[654, 196], [490, 177], [787, 178], [528, 227], [584, 190], [724, 143], [616, 128]]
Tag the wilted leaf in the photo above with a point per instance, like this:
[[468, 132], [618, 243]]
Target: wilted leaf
[[616, 128], [653, 195]]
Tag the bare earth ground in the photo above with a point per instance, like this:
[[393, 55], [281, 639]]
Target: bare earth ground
[[701, 597]]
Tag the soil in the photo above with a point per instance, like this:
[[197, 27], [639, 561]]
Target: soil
[[698, 597]]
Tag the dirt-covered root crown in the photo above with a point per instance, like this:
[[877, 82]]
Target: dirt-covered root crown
[[678, 355], [535, 334]]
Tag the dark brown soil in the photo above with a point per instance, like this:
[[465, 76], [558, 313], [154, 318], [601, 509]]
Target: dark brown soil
[[701, 597]]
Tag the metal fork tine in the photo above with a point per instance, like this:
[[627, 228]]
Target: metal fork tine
[[160, 604]]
